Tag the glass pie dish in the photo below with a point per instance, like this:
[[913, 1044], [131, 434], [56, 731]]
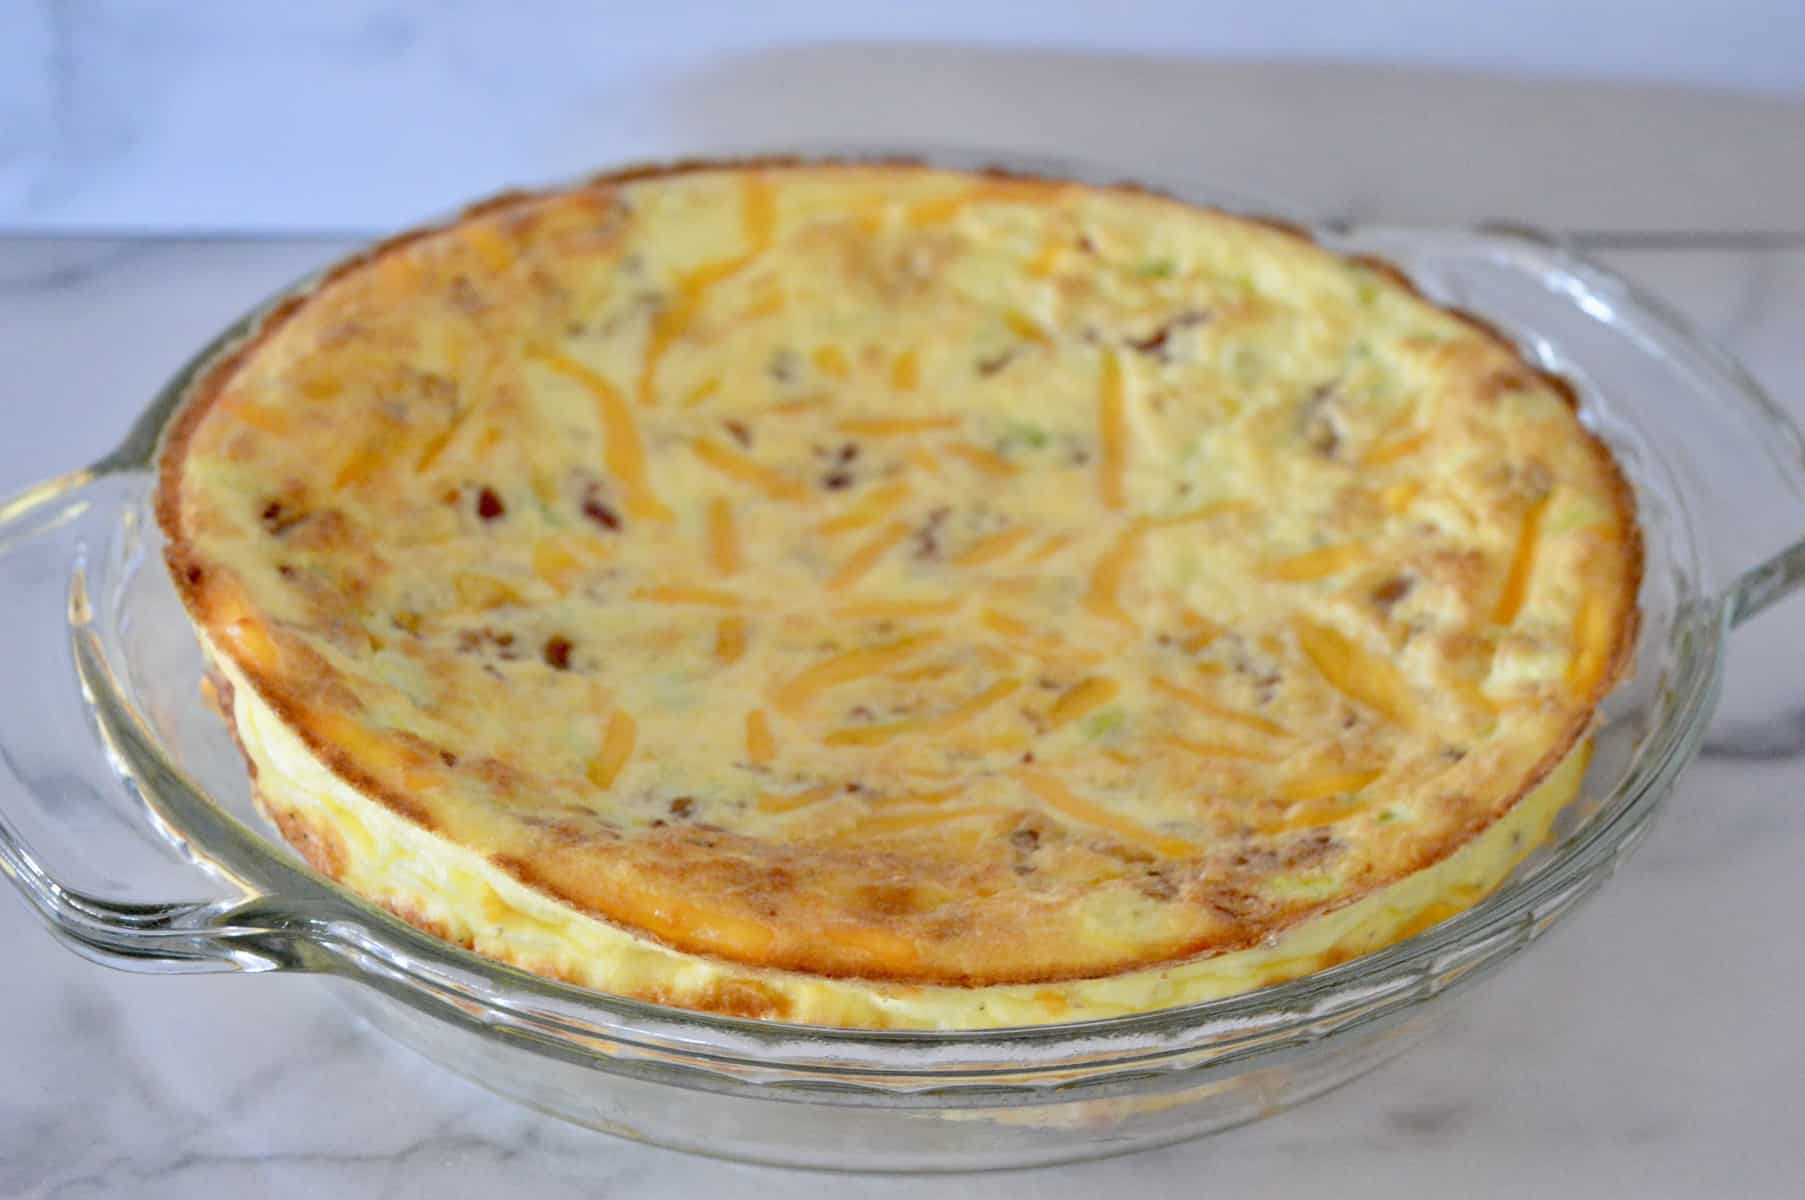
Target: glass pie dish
[[93, 839]]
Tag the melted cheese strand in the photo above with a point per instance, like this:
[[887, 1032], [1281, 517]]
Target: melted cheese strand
[[862, 560], [1198, 702], [1053, 545], [677, 593], [874, 507], [730, 640], [1323, 784], [892, 426], [734, 465], [758, 217], [905, 372], [1217, 749], [1052, 791], [1592, 644], [1103, 597], [761, 747], [885, 823], [794, 694], [878, 735], [1112, 434], [989, 549], [1522, 565], [723, 539], [989, 462], [782, 802], [1082, 699], [1315, 564], [1364, 678], [622, 449], [617, 748], [888, 609]]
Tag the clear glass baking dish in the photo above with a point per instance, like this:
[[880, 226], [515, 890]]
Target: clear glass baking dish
[[95, 834]]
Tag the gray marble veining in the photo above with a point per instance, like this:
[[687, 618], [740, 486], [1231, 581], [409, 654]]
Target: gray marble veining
[[1649, 1049]]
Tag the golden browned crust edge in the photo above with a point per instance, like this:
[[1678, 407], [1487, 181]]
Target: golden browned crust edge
[[189, 571]]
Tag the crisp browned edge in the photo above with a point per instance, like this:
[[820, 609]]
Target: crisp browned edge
[[188, 569]]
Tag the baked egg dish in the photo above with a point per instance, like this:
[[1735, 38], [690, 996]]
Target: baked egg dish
[[882, 596]]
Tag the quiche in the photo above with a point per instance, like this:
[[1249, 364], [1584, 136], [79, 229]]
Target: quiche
[[882, 596]]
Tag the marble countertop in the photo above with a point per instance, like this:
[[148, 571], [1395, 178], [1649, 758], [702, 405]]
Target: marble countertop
[[1603, 1062]]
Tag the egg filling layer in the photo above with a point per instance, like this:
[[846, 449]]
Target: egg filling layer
[[874, 595]]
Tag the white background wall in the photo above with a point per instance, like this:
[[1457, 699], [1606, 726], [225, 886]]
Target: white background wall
[[359, 114]]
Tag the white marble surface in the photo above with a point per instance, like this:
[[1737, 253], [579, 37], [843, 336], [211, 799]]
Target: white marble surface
[[360, 114], [1650, 1048]]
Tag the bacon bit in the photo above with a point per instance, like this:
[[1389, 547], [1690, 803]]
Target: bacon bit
[[989, 462], [1387, 594], [996, 362], [1155, 343], [730, 640], [278, 521], [600, 513], [557, 652], [489, 505], [761, 747]]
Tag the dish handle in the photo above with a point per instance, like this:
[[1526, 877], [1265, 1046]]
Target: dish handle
[[61, 804], [1767, 582]]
